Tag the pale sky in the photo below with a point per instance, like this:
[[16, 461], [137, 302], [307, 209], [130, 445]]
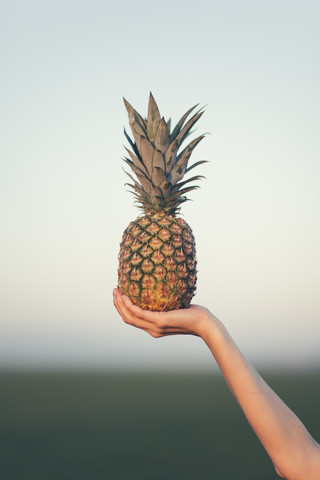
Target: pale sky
[[65, 66]]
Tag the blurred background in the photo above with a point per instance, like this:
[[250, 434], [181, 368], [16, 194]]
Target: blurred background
[[65, 355]]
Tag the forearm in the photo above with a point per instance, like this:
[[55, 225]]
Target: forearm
[[294, 453], [284, 437]]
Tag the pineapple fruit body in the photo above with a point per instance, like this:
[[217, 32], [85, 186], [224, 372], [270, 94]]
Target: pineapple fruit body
[[157, 262]]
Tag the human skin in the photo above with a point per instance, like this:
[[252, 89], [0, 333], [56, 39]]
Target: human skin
[[294, 453]]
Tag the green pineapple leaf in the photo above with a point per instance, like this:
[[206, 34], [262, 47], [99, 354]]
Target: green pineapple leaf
[[179, 168], [179, 125], [137, 162], [158, 160], [161, 140], [186, 129], [190, 147], [170, 156], [178, 186], [158, 176], [146, 152], [154, 118], [195, 165], [132, 144]]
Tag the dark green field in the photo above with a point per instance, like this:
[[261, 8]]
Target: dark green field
[[92, 426]]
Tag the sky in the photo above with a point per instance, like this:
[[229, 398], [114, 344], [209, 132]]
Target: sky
[[66, 65]]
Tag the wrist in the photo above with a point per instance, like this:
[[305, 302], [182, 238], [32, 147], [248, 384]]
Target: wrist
[[208, 325]]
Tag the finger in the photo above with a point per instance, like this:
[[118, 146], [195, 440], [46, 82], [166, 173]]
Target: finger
[[147, 315], [153, 318], [120, 306], [151, 328], [160, 335], [157, 321], [172, 318], [130, 318], [167, 321], [118, 303], [126, 315], [153, 334], [157, 324], [159, 332]]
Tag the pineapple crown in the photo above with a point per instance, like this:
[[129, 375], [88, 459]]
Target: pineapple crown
[[155, 160]]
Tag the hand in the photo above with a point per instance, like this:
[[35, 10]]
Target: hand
[[190, 321]]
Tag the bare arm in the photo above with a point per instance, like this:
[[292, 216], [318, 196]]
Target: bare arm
[[292, 450], [294, 453]]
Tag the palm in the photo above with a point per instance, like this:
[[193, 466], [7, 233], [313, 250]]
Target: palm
[[159, 324]]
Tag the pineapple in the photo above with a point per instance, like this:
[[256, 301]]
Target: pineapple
[[157, 259]]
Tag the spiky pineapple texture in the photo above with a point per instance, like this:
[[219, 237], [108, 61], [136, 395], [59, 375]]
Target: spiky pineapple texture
[[157, 262], [157, 259]]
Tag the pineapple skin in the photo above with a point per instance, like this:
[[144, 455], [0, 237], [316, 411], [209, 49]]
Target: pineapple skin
[[157, 262]]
